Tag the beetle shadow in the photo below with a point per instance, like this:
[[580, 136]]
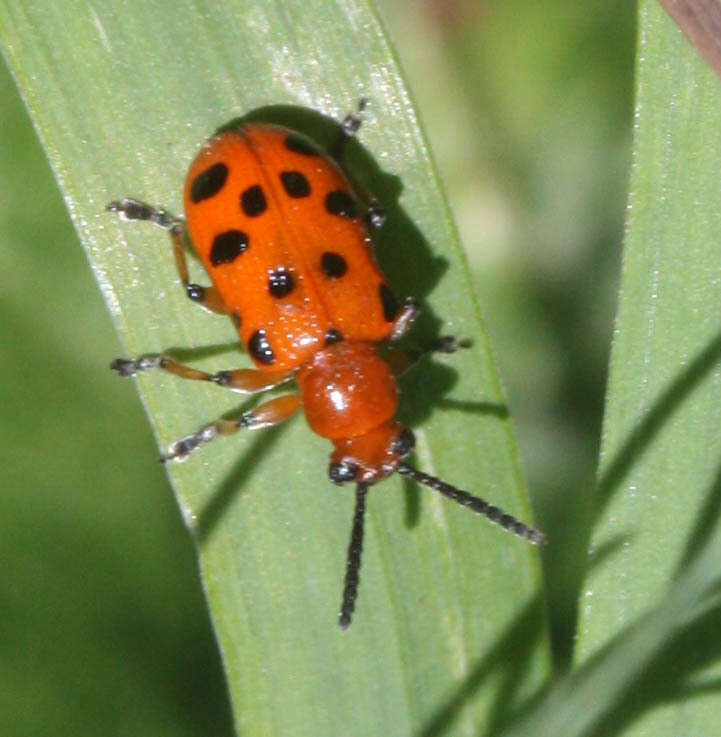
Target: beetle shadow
[[206, 351], [234, 481], [414, 411]]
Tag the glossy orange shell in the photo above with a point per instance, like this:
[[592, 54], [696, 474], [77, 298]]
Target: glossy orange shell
[[279, 230]]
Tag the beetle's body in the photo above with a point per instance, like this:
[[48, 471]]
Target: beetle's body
[[285, 241]]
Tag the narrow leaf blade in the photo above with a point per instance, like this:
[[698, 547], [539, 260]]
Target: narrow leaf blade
[[122, 100]]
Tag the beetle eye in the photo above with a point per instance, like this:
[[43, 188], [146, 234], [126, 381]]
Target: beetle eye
[[404, 443], [341, 472]]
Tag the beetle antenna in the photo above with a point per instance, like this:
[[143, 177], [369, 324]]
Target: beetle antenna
[[475, 504], [353, 561]]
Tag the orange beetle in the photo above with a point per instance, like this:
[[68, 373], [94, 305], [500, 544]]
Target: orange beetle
[[285, 239]]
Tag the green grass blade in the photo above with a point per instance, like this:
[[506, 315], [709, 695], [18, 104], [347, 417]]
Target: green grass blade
[[101, 604], [658, 503], [648, 651], [448, 636], [615, 691]]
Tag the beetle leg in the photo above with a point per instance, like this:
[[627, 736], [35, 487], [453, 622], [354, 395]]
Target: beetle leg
[[272, 412], [374, 215], [405, 319], [131, 209], [401, 360], [247, 381], [349, 126]]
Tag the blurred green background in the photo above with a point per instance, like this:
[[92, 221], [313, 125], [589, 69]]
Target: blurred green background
[[528, 110]]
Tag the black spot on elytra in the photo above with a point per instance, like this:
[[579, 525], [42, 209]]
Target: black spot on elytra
[[228, 246], [340, 203], [252, 201], [333, 264], [300, 145], [295, 184], [332, 336], [259, 348], [389, 302], [280, 282], [208, 182]]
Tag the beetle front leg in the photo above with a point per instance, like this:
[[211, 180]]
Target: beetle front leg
[[270, 413]]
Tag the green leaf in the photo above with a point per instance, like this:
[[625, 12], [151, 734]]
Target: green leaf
[[448, 635], [658, 479], [101, 603], [649, 646]]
